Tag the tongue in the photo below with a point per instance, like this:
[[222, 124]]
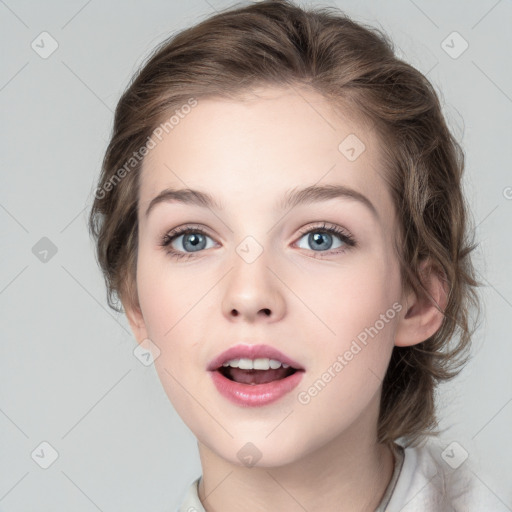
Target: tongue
[[257, 376]]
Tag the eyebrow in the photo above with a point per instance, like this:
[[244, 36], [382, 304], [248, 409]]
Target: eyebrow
[[292, 198]]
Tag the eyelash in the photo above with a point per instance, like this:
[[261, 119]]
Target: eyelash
[[343, 235]]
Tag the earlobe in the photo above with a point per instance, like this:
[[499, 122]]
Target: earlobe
[[136, 321], [423, 314]]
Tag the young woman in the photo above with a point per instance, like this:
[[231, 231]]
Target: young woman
[[280, 213]]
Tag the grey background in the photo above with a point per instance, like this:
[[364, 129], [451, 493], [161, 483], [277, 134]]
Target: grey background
[[68, 373]]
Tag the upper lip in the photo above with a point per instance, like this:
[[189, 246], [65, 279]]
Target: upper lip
[[252, 352]]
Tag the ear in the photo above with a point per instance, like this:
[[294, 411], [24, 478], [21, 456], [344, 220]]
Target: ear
[[422, 318], [135, 319]]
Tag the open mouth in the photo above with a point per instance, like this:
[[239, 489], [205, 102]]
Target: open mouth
[[253, 377], [255, 381]]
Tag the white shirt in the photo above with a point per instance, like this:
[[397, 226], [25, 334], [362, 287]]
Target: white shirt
[[421, 482]]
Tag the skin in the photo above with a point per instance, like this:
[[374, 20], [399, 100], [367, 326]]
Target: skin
[[322, 455]]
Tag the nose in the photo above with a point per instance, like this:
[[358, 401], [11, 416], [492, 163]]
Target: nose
[[253, 292]]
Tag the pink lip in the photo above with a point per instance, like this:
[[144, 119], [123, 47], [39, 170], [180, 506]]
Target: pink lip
[[247, 395], [252, 352]]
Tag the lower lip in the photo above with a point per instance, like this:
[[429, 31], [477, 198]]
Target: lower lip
[[256, 395]]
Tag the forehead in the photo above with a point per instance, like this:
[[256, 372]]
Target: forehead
[[258, 148]]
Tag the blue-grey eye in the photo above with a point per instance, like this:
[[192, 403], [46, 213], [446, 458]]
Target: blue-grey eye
[[319, 240], [191, 242]]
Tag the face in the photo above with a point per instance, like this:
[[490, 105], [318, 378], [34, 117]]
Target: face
[[317, 280]]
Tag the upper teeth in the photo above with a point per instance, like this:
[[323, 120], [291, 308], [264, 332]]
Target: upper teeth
[[262, 363]]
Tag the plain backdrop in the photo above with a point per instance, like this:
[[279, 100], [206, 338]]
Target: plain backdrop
[[68, 373]]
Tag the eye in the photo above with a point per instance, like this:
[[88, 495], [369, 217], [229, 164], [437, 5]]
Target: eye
[[184, 241], [322, 239]]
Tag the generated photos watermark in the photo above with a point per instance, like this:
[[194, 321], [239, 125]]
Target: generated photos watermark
[[151, 142], [356, 346]]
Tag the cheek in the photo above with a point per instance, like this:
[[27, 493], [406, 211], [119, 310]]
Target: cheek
[[174, 319], [174, 302], [356, 340], [167, 296], [350, 298]]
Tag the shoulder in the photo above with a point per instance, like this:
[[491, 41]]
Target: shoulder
[[440, 479], [191, 502]]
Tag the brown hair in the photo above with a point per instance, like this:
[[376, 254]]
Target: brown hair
[[278, 43]]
